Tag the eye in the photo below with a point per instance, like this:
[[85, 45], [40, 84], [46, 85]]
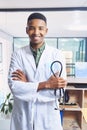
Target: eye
[[31, 28], [41, 28]]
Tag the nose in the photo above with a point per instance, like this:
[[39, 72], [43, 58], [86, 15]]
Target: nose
[[36, 31]]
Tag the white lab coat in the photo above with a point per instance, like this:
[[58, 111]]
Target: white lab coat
[[34, 110]]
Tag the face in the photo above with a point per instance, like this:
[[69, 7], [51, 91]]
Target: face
[[36, 30]]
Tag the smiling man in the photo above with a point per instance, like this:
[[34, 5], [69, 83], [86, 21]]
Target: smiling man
[[32, 83]]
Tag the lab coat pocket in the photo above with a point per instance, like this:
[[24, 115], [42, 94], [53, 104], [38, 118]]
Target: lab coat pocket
[[48, 121], [52, 120]]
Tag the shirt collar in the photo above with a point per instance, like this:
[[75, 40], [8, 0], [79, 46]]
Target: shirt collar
[[41, 49]]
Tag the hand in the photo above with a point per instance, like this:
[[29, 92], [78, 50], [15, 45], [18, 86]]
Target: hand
[[19, 75], [56, 82], [52, 83]]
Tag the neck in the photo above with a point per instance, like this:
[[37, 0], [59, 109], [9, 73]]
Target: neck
[[36, 46]]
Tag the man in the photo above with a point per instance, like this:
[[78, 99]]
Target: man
[[32, 83]]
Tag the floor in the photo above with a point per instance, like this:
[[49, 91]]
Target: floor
[[73, 125]]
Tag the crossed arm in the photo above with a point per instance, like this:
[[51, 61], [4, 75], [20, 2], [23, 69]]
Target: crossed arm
[[52, 83]]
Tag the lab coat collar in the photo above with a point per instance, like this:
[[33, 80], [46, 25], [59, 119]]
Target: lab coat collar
[[31, 57], [42, 59]]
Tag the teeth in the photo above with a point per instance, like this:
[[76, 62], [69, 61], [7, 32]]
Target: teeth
[[36, 37]]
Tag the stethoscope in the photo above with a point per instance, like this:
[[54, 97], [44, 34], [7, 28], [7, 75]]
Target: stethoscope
[[61, 90]]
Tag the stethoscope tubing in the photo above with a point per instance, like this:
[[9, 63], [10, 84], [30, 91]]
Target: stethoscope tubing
[[51, 67], [60, 72]]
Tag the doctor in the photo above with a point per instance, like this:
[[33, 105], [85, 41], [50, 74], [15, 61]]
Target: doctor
[[32, 83]]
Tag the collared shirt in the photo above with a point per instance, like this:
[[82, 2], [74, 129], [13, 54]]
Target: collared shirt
[[37, 53]]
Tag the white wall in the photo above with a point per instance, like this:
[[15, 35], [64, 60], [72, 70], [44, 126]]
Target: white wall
[[6, 41], [60, 23], [4, 124]]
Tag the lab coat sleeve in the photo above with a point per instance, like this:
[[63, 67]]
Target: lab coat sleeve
[[22, 90]]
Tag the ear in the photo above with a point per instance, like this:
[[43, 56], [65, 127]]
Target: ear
[[46, 30], [27, 30]]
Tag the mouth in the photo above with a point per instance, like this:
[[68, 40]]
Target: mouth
[[36, 38]]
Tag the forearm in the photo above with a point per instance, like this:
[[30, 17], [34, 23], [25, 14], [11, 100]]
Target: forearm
[[43, 85]]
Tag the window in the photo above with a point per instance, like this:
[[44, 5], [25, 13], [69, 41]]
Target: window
[[20, 42], [52, 42], [73, 48]]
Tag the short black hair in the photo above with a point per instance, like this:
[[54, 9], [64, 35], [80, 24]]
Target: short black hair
[[37, 16]]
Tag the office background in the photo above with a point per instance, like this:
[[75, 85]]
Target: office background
[[67, 24]]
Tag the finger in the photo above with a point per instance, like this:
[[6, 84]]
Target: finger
[[19, 71], [56, 74], [62, 84], [16, 75], [15, 78]]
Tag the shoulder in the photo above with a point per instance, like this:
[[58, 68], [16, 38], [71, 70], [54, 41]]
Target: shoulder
[[55, 53], [54, 50], [21, 50]]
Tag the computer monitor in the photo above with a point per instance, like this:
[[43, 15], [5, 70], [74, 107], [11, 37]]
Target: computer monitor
[[81, 69]]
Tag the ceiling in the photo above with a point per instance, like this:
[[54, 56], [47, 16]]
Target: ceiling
[[41, 3], [61, 23]]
